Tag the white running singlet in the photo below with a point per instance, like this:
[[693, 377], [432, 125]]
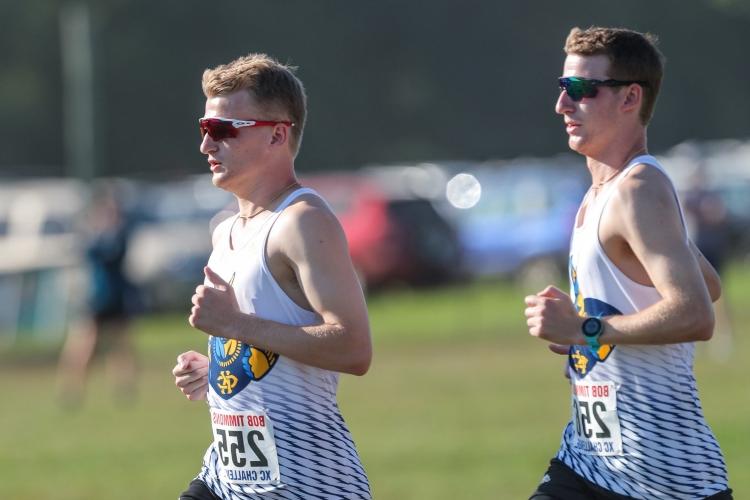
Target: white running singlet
[[637, 427], [277, 429]]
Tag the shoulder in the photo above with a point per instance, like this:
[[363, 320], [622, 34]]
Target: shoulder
[[645, 187], [306, 219], [309, 208], [645, 205]]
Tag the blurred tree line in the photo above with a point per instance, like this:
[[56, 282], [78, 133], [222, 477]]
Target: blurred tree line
[[388, 81]]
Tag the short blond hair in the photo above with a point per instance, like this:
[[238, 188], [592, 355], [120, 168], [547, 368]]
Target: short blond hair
[[273, 86], [633, 56]]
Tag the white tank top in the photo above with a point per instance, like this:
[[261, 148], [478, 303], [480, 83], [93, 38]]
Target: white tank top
[[316, 455], [649, 439]]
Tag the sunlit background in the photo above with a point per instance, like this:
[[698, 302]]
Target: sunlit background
[[432, 134]]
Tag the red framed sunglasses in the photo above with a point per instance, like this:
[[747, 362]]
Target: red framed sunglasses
[[223, 128]]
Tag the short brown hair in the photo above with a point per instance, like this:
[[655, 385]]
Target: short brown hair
[[632, 56], [273, 85]]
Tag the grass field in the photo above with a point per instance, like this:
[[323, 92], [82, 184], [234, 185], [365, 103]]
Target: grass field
[[459, 403]]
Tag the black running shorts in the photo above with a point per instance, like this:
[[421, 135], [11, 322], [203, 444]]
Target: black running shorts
[[198, 491], [562, 483]]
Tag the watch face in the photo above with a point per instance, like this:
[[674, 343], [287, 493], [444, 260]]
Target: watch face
[[591, 326]]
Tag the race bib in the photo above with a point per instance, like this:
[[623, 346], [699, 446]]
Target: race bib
[[246, 447], [597, 425]]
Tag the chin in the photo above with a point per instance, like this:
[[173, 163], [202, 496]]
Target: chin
[[224, 182], [219, 180], [577, 144]]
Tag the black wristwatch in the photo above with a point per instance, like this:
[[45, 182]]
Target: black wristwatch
[[592, 329]]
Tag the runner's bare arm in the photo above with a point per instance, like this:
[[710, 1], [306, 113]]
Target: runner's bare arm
[[650, 224], [313, 243]]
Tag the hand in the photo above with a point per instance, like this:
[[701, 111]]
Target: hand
[[214, 307], [550, 315], [563, 349], [191, 375]]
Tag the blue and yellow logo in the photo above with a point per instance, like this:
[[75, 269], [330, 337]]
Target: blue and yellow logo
[[581, 358], [233, 365]]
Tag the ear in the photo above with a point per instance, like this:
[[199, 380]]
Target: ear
[[280, 134], [633, 97]]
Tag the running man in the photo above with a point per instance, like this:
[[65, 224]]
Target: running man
[[281, 304], [640, 295]]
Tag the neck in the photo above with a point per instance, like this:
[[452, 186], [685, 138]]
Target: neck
[[604, 167], [263, 197]]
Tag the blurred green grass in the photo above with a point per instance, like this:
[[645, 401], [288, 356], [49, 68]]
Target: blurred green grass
[[459, 403]]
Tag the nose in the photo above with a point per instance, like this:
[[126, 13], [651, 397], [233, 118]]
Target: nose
[[564, 103], [208, 145]]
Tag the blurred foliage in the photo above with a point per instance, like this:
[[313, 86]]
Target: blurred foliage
[[388, 81]]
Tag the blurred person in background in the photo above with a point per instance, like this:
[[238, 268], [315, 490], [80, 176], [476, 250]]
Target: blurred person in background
[[707, 220], [111, 301], [281, 304], [640, 295]]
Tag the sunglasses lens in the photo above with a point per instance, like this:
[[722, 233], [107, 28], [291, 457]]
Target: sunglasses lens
[[576, 91], [217, 129], [577, 88]]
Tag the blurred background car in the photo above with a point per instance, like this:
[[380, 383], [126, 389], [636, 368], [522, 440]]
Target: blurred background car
[[171, 239], [519, 227], [395, 236]]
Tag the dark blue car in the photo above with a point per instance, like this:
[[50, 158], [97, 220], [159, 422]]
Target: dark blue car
[[521, 225]]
